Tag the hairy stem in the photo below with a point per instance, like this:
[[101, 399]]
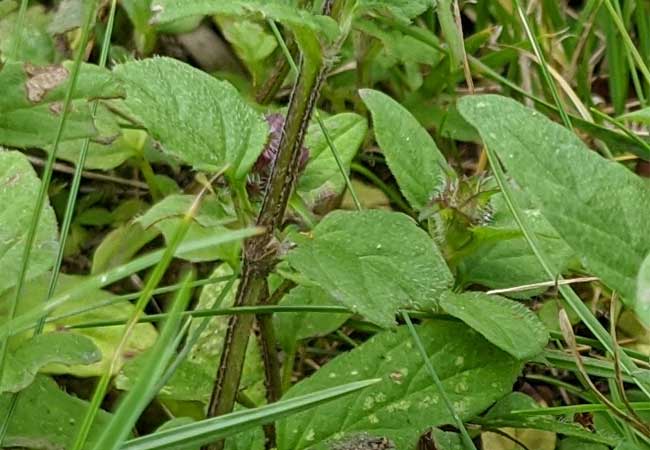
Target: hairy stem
[[260, 252]]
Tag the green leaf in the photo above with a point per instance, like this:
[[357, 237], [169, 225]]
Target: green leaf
[[32, 99], [606, 227], [53, 348], [251, 41], [322, 177], [116, 145], [198, 119], [279, 11], [292, 327], [46, 417], [405, 403], [37, 46], [120, 246], [507, 324], [210, 430], [210, 220], [20, 187], [210, 214], [505, 259], [374, 262], [401, 9], [106, 339], [411, 153]]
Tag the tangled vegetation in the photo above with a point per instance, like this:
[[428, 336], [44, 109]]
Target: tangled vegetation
[[327, 224]]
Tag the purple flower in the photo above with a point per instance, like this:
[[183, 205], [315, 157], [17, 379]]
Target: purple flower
[[265, 161]]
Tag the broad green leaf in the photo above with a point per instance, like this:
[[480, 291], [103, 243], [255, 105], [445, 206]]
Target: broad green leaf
[[292, 327], [399, 48], [211, 213], [37, 46], [405, 403], [210, 430], [106, 339], [198, 119], [507, 324], [322, 177], [194, 378], [507, 260], [68, 16], [411, 153], [606, 227], [211, 219], [374, 262], [30, 107], [121, 245], [401, 9], [115, 147], [251, 41], [30, 356], [19, 186], [139, 12], [46, 417], [443, 440], [170, 10]]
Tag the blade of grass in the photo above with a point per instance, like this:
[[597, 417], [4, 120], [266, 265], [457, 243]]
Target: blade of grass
[[135, 295], [618, 124], [454, 41], [76, 179], [583, 376], [221, 427], [571, 298], [44, 187], [467, 440], [18, 32], [194, 337], [629, 44], [574, 409], [155, 277], [543, 65], [259, 309], [480, 67], [144, 390], [29, 318]]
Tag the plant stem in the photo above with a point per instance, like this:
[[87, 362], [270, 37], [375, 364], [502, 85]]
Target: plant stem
[[273, 83], [259, 252], [268, 344]]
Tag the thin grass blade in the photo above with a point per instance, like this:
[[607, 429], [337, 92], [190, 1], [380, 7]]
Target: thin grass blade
[[210, 430]]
